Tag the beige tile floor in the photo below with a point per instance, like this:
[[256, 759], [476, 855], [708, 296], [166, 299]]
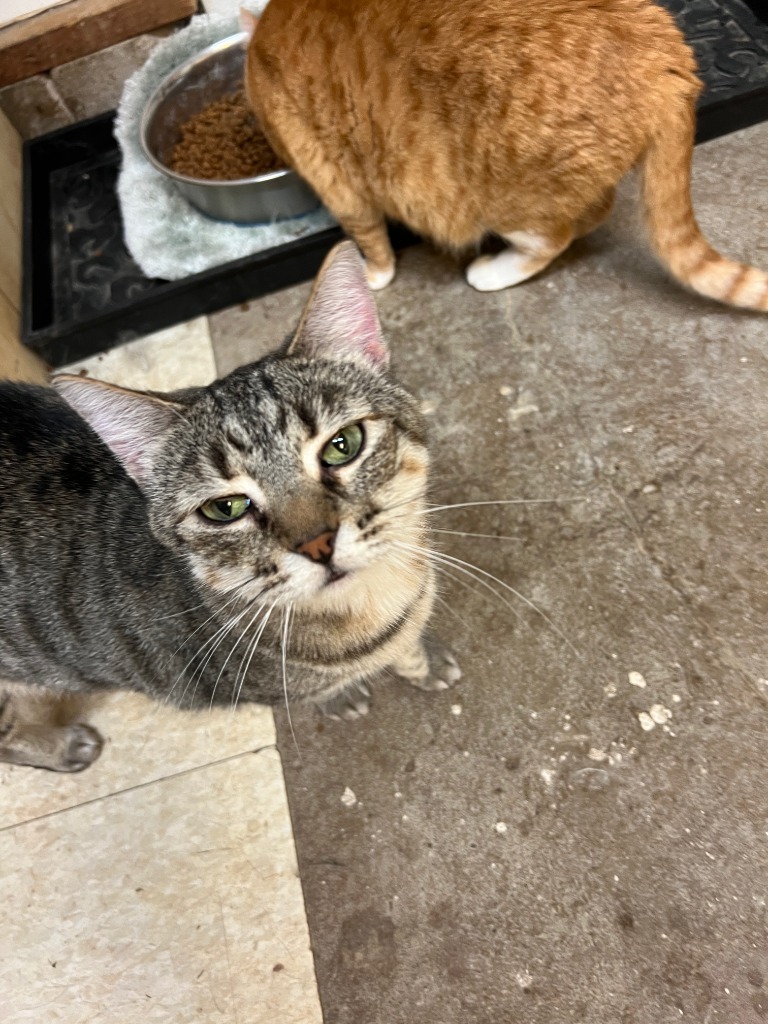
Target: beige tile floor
[[161, 885]]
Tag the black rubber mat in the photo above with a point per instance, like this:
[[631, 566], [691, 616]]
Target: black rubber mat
[[730, 38], [83, 293]]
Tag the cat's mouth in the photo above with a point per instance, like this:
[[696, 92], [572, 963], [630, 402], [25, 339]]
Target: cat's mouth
[[335, 576]]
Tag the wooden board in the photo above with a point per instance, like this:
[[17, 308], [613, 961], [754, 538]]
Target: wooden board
[[77, 28], [17, 10], [16, 361]]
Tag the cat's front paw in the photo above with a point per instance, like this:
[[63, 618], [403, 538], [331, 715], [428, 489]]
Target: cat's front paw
[[74, 748], [78, 748], [349, 705], [431, 666]]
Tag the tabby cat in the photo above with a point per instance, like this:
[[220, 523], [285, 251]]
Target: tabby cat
[[259, 539], [463, 118]]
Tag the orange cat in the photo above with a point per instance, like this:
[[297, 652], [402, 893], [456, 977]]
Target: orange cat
[[516, 118]]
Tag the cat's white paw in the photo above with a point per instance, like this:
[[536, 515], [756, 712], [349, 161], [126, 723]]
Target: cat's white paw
[[492, 273], [378, 279]]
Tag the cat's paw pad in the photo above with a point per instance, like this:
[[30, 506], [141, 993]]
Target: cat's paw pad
[[379, 278], [349, 705], [439, 671], [80, 748]]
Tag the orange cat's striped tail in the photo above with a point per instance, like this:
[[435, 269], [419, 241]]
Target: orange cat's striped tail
[[675, 235]]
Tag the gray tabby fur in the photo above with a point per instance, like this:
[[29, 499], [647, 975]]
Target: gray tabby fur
[[111, 579]]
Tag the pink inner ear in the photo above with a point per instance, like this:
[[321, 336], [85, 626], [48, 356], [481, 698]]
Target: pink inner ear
[[128, 422], [365, 324], [340, 321]]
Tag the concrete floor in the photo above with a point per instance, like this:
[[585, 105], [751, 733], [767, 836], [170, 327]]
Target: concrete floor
[[579, 831]]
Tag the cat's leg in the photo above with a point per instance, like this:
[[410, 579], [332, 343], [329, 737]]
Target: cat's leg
[[345, 192], [428, 666], [369, 231], [531, 252], [31, 732], [595, 214]]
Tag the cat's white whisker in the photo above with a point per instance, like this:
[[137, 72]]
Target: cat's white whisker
[[287, 611], [442, 567], [510, 501], [408, 567], [487, 536], [183, 612], [195, 607], [232, 651], [210, 618], [424, 512], [418, 500], [444, 603], [467, 567], [249, 653], [214, 642], [224, 629], [197, 675]]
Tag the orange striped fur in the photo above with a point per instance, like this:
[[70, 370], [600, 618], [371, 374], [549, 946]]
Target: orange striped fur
[[462, 118]]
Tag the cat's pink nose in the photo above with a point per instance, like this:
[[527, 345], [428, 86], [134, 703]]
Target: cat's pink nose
[[319, 548]]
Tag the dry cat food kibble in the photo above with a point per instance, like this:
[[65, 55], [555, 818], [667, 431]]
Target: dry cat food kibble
[[223, 142]]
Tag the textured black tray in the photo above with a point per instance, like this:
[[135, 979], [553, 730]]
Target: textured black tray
[[82, 292], [730, 39]]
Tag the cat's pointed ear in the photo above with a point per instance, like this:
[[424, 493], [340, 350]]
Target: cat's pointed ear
[[248, 21], [131, 423], [340, 321]]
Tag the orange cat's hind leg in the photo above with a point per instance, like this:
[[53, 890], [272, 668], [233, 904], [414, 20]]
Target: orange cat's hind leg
[[369, 231], [531, 252], [595, 214]]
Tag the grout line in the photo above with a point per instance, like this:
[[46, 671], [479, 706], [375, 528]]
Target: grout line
[[140, 785], [213, 342]]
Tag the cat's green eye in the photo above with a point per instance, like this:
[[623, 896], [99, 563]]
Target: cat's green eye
[[226, 510], [344, 446]]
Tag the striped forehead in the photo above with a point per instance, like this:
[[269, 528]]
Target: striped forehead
[[274, 435]]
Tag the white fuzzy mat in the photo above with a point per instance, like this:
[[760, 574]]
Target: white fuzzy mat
[[166, 236]]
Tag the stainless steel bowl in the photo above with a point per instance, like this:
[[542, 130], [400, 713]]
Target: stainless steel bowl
[[200, 81]]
